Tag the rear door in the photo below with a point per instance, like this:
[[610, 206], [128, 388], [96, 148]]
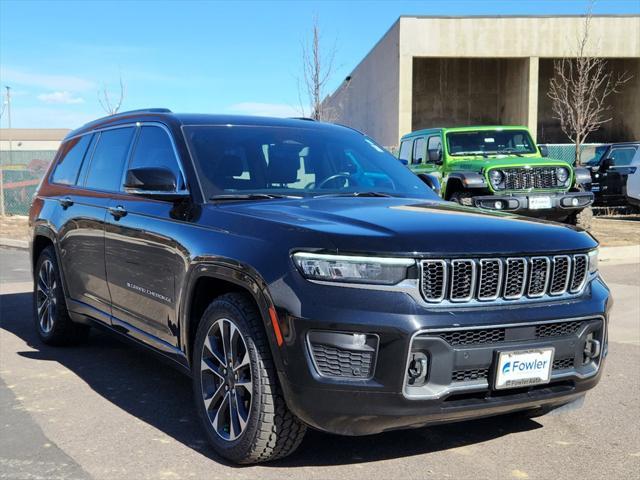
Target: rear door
[[616, 176], [146, 263], [81, 235]]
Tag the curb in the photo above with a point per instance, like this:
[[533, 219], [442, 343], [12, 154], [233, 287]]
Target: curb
[[12, 243]]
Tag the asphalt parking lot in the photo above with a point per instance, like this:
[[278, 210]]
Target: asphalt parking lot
[[108, 410]]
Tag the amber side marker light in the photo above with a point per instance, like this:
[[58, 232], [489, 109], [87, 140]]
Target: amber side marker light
[[275, 325]]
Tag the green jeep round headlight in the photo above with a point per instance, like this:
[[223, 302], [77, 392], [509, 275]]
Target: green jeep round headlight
[[496, 177], [562, 174]]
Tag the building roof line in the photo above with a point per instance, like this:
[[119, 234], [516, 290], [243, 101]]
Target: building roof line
[[461, 17]]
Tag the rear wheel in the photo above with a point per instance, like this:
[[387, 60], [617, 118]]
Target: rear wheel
[[50, 313], [236, 389]]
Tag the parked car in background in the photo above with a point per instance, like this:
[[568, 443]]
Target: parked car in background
[[609, 172], [633, 181], [500, 168], [301, 276]]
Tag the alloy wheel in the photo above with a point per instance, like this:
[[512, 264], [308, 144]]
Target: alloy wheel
[[46, 296], [227, 386]]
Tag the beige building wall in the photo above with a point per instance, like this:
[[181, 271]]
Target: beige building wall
[[30, 139], [516, 44]]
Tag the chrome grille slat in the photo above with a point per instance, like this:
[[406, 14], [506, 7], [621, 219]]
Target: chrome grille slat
[[502, 279], [528, 178]]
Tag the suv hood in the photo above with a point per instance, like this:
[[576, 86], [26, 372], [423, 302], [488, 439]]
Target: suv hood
[[402, 226], [480, 163]]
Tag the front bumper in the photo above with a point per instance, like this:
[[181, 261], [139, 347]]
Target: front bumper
[[558, 204], [384, 401]]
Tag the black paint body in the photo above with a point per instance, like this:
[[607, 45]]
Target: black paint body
[[138, 275]]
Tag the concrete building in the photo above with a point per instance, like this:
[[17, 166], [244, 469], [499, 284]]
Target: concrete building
[[435, 71], [31, 139]]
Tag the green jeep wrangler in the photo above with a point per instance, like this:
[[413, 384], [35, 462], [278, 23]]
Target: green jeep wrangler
[[500, 168]]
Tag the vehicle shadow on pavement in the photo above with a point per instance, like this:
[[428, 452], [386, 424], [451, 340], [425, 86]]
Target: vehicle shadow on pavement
[[136, 382]]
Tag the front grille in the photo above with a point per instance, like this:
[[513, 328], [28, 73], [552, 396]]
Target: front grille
[[470, 375], [490, 279], [336, 362], [482, 336], [562, 363], [530, 178]]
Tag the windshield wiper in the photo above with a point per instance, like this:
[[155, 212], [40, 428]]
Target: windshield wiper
[[509, 151], [356, 194], [460, 154], [248, 196]]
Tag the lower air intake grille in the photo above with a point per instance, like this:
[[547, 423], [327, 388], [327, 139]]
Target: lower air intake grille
[[470, 375], [562, 363], [473, 337], [557, 329], [335, 362]]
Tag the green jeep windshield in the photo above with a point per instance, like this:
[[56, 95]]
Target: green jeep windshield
[[490, 142]]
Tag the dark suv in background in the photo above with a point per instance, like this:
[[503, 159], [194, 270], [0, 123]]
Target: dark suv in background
[[610, 168], [304, 277]]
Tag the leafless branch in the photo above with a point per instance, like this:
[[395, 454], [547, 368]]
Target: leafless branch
[[110, 106], [317, 68], [579, 89]]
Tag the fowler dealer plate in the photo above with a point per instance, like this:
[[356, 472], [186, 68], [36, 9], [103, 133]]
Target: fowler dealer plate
[[539, 203], [523, 368]]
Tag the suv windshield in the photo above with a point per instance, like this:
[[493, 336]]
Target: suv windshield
[[490, 142], [255, 162]]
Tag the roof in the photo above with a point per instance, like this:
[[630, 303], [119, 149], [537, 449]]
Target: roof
[[33, 134], [179, 119], [470, 128]]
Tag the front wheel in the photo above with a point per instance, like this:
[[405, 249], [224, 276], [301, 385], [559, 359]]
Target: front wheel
[[236, 389], [463, 198]]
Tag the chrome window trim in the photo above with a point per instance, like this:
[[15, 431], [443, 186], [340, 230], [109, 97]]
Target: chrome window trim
[[473, 280], [444, 279], [525, 276], [483, 384], [553, 274], [500, 272], [546, 279]]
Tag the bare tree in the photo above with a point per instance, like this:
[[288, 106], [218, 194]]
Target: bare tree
[[579, 90], [317, 68], [109, 104]]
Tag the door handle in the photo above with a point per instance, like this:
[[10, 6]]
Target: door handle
[[65, 202], [117, 212]]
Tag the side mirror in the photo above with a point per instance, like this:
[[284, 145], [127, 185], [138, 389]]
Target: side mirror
[[606, 164], [435, 156], [544, 151], [154, 181], [404, 161], [432, 182]]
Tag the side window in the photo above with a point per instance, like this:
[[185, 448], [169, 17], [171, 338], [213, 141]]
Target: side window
[[109, 157], [621, 157], [154, 149], [434, 144], [66, 171], [418, 151], [405, 150]]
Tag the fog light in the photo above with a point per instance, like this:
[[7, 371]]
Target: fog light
[[359, 340], [498, 205], [575, 202], [418, 369]]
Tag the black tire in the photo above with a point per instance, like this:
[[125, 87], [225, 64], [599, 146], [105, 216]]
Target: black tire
[[271, 431], [50, 314], [582, 219], [462, 197]]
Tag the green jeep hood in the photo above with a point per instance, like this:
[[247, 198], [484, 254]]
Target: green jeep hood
[[479, 163]]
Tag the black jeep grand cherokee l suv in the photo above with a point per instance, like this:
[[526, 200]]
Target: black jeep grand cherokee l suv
[[303, 277]]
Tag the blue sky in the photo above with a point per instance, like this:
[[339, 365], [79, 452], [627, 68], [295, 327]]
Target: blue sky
[[199, 56]]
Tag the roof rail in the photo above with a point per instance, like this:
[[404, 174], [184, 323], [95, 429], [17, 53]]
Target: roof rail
[[308, 119], [143, 110], [98, 121]]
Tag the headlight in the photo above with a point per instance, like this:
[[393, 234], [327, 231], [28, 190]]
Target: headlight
[[562, 174], [496, 177], [593, 261], [348, 269]]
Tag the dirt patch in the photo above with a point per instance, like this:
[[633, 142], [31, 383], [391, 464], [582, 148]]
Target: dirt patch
[[617, 231], [14, 227]]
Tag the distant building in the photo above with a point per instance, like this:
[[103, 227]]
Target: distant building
[[31, 139], [446, 71]]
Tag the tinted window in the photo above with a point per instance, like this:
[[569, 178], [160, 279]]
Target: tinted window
[[154, 149], [105, 172], [296, 161], [418, 151], [66, 171], [405, 150], [621, 157], [434, 143], [490, 142]]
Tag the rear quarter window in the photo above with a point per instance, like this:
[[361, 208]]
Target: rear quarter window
[[73, 154]]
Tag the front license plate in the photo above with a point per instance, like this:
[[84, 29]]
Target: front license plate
[[523, 368], [538, 203]]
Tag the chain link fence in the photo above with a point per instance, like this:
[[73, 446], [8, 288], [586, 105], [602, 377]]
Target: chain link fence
[[567, 151], [21, 173]]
